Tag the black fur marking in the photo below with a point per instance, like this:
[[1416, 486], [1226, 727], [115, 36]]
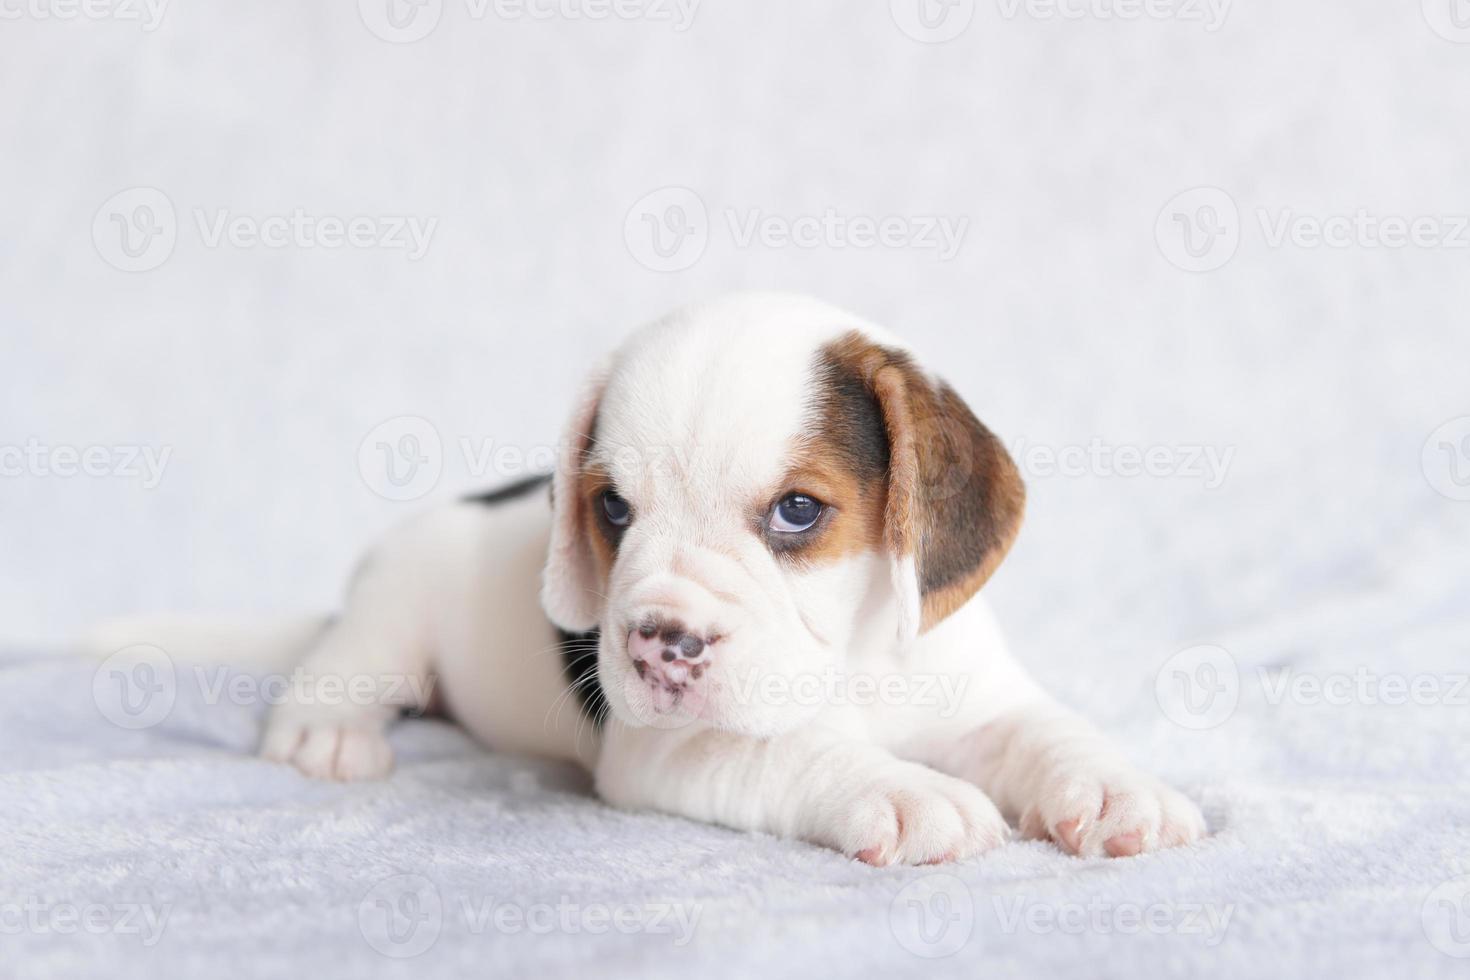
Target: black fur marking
[[513, 491], [579, 664], [853, 418]]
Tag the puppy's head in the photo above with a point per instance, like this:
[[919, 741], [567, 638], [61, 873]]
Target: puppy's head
[[753, 489]]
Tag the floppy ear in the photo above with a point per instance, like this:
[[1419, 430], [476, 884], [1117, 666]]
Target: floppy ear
[[954, 496], [571, 589]]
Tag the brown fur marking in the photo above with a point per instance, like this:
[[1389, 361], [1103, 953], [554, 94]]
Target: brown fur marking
[[954, 499]]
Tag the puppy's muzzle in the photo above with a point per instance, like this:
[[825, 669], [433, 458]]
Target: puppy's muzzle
[[671, 658]]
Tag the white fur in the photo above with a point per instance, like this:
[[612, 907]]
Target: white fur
[[695, 417]]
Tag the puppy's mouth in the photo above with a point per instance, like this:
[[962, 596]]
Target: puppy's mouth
[[668, 696]]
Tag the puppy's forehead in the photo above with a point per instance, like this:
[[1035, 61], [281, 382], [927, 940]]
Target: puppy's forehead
[[730, 386]]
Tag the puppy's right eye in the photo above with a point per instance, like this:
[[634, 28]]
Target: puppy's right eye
[[794, 513], [616, 509]]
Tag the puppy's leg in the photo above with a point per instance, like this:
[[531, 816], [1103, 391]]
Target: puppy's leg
[[366, 668], [812, 785], [1062, 780]]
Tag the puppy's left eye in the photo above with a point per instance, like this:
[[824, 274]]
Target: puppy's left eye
[[615, 509], [795, 512]]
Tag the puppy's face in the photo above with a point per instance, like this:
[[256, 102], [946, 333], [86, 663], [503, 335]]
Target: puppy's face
[[751, 491]]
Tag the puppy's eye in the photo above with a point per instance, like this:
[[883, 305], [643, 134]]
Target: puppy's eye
[[795, 512], [615, 509]]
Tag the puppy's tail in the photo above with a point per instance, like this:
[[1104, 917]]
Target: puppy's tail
[[261, 647]]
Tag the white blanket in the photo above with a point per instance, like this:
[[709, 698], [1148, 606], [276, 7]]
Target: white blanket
[[168, 851]]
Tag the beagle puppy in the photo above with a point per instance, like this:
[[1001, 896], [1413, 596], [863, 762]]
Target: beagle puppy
[[747, 595]]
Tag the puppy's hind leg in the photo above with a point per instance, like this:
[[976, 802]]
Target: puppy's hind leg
[[367, 667]]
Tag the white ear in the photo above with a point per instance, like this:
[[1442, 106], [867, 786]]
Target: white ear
[[905, 573], [571, 593]]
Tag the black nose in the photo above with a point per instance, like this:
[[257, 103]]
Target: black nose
[[678, 643], [677, 640]]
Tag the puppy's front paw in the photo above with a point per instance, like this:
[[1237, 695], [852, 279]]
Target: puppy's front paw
[[1110, 811], [327, 747], [911, 814]]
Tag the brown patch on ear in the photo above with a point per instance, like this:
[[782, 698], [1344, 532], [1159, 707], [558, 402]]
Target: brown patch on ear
[[954, 499], [601, 535]]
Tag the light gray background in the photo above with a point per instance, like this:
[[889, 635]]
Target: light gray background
[[1335, 378], [1059, 141]]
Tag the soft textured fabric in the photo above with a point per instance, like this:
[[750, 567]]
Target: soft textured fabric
[[204, 861]]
